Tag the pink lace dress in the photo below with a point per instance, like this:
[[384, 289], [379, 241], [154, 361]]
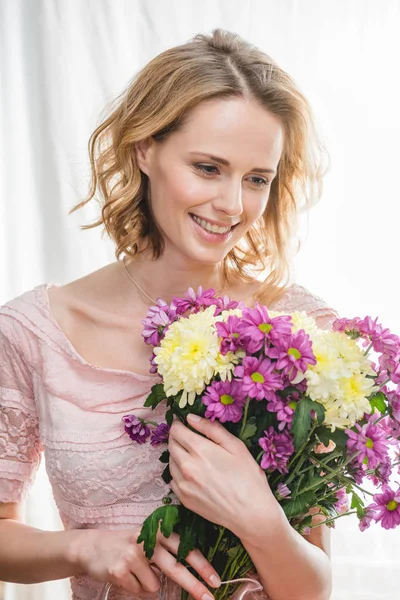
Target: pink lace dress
[[53, 402]]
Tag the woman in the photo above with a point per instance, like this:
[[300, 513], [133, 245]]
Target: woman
[[203, 166]]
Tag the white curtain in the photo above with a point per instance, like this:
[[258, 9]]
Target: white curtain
[[62, 60]]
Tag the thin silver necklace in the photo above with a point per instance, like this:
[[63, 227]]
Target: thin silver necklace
[[142, 290]]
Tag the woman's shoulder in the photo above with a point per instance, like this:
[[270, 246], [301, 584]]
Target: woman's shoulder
[[297, 297], [26, 316]]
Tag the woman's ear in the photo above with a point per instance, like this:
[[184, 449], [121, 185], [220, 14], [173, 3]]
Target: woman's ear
[[143, 154]]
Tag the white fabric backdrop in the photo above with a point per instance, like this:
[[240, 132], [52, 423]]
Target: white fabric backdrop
[[61, 61]]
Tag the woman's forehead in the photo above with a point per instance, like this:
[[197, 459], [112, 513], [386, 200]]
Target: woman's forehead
[[232, 127]]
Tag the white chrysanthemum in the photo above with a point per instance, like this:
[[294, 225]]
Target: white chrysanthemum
[[300, 320], [226, 363], [189, 356], [339, 379]]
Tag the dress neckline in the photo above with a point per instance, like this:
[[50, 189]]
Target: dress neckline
[[72, 351]]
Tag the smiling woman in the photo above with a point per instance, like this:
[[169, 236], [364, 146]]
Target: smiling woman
[[202, 167], [186, 134]]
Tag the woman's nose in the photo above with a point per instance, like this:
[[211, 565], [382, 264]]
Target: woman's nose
[[231, 200]]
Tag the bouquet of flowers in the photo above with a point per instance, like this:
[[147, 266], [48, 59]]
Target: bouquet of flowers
[[312, 406]]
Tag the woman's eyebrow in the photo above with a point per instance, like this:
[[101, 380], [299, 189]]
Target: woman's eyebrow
[[226, 163]]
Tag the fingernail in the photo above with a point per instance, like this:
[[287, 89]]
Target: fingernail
[[215, 581], [207, 597], [195, 419]]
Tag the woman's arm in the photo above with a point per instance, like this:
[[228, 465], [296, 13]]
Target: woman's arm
[[29, 555], [289, 566], [219, 479]]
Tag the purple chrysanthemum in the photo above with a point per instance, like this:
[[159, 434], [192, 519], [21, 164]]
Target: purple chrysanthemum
[[282, 491], [259, 377], [382, 473], [157, 320], [284, 409], [393, 397], [390, 366], [195, 300], [392, 429], [153, 365], [293, 354], [224, 401], [136, 428], [229, 334], [226, 303], [367, 519], [259, 330], [382, 340], [387, 507], [160, 434], [371, 442], [278, 448], [342, 504], [357, 471]]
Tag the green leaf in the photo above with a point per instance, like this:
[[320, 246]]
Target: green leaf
[[164, 458], [358, 504], [299, 505], [320, 410], [313, 480], [156, 396], [165, 518], [324, 434], [166, 475], [232, 552], [301, 424], [378, 401], [249, 430], [169, 417], [190, 525]]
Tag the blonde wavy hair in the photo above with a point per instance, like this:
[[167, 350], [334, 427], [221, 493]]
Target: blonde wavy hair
[[156, 102]]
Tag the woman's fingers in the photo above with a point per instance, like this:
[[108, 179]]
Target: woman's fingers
[[129, 583], [195, 558], [147, 577], [180, 574]]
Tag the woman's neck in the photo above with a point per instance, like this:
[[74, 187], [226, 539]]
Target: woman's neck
[[165, 279]]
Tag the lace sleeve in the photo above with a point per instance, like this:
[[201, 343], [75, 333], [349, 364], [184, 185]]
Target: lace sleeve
[[298, 297], [20, 447]]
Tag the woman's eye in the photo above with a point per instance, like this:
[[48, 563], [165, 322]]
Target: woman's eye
[[208, 169], [260, 181]]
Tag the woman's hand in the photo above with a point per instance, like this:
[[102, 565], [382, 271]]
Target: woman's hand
[[115, 557], [218, 477]]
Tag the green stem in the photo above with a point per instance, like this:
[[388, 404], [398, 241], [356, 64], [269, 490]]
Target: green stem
[[260, 455], [334, 472], [246, 410], [368, 349], [332, 491], [343, 477], [298, 453], [212, 551], [295, 470], [353, 512], [384, 383]]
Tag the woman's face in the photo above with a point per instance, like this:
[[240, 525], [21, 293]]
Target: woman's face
[[213, 174]]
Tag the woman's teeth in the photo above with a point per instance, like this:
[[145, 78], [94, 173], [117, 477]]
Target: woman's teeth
[[209, 227]]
